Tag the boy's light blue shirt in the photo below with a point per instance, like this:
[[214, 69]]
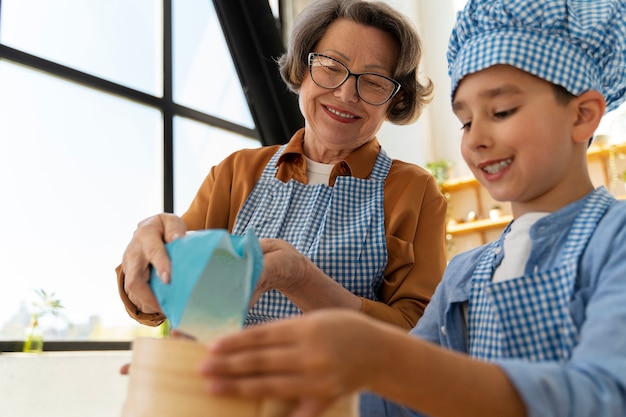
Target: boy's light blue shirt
[[593, 381]]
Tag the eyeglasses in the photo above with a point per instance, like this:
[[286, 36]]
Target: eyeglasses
[[372, 88]]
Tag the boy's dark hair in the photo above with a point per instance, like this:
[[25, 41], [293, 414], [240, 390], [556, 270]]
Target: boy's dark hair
[[562, 95]]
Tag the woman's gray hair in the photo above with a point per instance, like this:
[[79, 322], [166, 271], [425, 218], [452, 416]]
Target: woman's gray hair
[[311, 24]]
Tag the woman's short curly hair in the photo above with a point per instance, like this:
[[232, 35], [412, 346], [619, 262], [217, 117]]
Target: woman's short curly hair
[[311, 24]]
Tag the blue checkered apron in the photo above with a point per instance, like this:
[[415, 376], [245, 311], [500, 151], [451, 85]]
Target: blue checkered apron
[[529, 317], [341, 229]]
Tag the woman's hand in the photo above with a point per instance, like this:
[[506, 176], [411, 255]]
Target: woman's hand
[[147, 248], [315, 358], [299, 279], [284, 268]]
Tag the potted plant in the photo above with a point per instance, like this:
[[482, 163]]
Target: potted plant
[[45, 305], [495, 212], [440, 170]]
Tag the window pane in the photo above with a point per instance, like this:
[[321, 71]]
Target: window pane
[[118, 40], [205, 78], [275, 8], [197, 148], [78, 170]]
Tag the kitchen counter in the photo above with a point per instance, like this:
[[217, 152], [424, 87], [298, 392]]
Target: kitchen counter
[[62, 384]]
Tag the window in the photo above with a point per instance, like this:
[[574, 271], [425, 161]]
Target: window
[[105, 118]]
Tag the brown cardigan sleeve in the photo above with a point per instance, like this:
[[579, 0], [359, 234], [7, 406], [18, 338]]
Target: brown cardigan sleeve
[[132, 310]]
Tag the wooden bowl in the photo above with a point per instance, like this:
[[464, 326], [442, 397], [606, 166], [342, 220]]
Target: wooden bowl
[[164, 382]]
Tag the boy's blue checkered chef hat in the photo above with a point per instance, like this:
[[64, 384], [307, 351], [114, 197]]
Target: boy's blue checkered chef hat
[[577, 44]]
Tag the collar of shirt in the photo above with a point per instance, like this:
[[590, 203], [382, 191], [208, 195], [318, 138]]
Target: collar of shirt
[[359, 163]]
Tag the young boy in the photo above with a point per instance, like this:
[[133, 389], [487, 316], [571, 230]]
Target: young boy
[[533, 324]]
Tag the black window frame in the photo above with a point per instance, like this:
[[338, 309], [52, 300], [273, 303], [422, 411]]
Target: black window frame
[[253, 36]]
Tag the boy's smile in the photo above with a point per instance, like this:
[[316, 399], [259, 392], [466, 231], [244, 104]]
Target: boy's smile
[[517, 139]]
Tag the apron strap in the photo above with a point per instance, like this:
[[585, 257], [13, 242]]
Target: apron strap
[[585, 223]]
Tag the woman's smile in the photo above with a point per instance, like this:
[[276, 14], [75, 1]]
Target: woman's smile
[[341, 115]]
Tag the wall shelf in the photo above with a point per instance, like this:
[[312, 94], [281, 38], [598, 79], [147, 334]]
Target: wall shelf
[[482, 225]]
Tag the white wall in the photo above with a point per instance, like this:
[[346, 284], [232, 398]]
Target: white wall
[[62, 384], [437, 133]]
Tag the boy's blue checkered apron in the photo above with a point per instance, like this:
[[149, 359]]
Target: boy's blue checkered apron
[[529, 317], [341, 229]]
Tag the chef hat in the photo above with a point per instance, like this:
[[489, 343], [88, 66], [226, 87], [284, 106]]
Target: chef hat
[[577, 44]]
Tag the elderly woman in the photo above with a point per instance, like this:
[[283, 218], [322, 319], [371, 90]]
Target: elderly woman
[[341, 223]]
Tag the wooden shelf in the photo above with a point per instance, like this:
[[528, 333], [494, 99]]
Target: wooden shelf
[[459, 184], [604, 151], [482, 225]]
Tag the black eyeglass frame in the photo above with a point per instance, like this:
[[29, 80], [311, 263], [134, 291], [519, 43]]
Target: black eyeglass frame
[[396, 84]]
